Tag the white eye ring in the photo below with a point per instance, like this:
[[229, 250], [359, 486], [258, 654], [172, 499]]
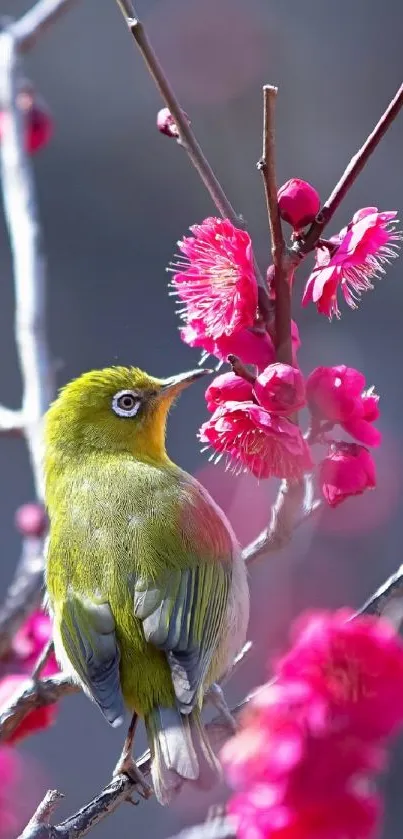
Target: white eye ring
[[132, 400]]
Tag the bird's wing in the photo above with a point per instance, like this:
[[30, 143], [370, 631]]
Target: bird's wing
[[182, 614], [183, 608], [87, 631]]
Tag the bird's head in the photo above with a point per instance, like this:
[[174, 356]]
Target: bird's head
[[118, 409]]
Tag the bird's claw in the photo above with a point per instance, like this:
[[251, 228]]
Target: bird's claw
[[216, 696], [127, 766]]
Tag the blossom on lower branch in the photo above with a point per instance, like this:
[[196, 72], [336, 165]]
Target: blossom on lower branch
[[28, 643], [312, 741], [348, 469], [253, 439], [337, 395]]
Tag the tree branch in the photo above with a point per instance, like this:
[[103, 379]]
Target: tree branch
[[350, 175], [387, 600], [282, 266], [293, 506], [37, 694], [10, 421], [267, 166], [37, 370], [22, 218], [28, 29]]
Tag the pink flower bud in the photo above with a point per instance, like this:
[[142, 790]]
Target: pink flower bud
[[166, 123], [280, 389], [30, 520], [38, 128], [347, 470], [228, 388], [298, 203]]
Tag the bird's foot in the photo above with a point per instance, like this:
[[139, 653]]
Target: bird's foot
[[216, 696], [127, 766]]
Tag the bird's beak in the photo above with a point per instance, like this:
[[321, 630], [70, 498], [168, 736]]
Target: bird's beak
[[175, 384]]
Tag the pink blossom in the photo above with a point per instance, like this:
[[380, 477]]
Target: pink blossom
[[353, 259], [333, 392], [336, 394], [312, 741], [298, 203], [359, 424], [216, 279], [251, 347], [347, 470], [35, 720], [356, 666], [272, 739], [280, 389], [226, 388], [31, 639], [350, 814], [266, 445]]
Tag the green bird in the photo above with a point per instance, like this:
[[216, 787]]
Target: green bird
[[145, 580]]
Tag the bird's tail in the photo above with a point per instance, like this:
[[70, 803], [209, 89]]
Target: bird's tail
[[179, 750]]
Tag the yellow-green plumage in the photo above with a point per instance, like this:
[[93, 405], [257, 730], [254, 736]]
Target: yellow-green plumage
[[145, 583]]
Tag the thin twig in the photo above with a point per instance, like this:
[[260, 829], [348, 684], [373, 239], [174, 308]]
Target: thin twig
[[282, 265], [30, 26], [267, 166], [187, 138], [186, 134], [285, 517], [239, 368], [350, 175], [387, 599], [42, 660]]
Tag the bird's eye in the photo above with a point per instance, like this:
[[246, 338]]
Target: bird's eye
[[125, 403]]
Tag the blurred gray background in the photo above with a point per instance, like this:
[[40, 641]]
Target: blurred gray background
[[114, 198]]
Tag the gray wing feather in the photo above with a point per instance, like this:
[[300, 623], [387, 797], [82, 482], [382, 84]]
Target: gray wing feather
[[169, 611], [88, 633]]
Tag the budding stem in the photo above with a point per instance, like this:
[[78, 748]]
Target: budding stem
[[281, 262]]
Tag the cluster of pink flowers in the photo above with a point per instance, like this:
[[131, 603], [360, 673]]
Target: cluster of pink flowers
[[252, 425], [312, 741], [250, 422], [253, 420]]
